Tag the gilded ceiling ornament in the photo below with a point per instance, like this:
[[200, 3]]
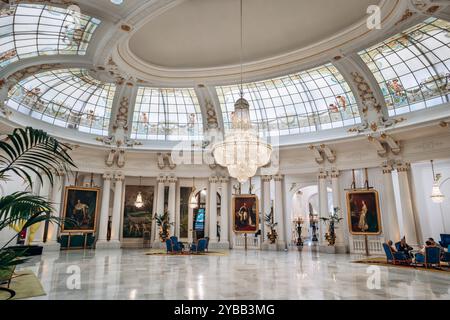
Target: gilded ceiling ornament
[[211, 116]]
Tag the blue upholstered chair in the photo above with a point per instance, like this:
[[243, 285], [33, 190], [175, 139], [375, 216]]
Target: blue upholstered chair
[[431, 258], [169, 246], [395, 257], [200, 246], [397, 246], [207, 243], [177, 246], [445, 240]]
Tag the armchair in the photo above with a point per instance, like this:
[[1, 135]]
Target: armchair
[[445, 240], [178, 246], [200, 246], [395, 257], [432, 257]]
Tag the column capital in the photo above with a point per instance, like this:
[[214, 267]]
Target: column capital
[[172, 179], [161, 179], [107, 176], [266, 178], [278, 177], [118, 176], [403, 166], [224, 179], [323, 174], [387, 168], [213, 179], [334, 173]]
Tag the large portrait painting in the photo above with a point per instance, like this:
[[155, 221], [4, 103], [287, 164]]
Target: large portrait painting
[[364, 212], [80, 209], [245, 212], [137, 220]]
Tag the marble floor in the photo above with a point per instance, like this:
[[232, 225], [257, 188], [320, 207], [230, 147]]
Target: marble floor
[[130, 274]]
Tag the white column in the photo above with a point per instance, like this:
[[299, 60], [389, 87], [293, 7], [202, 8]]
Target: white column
[[159, 207], [340, 240], [279, 212], [44, 191], [190, 224], [224, 212], [323, 205], [213, 209], [117, 211], [171, 207], [266, 203], [52, 231], [104, 211], [392, 230], [409, 223]]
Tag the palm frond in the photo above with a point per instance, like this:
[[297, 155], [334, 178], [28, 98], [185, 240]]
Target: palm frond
[[31, 150], [10, 258], [22, 206]]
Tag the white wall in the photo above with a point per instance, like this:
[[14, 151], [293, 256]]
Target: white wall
[[434, 218], [13, 184]]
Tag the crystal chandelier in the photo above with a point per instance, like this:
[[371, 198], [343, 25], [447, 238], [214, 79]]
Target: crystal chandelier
[[436, 194], [242, 151], [139, 203]]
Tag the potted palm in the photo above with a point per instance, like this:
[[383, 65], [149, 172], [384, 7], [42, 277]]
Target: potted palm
[[162, 221], [27, 152], [272, 235], [334, 219]]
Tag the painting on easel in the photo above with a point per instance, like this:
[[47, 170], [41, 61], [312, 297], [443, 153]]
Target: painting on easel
[[364, 215]]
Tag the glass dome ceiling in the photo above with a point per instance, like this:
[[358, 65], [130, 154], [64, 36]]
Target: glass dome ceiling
[[413, 67], [29, 30], [308, 101], [68, 98], [167, 114]]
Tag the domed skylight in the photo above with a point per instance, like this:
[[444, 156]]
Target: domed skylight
[[308, 101], [413, 67], [167, 114], [28, 30], [68, 98]]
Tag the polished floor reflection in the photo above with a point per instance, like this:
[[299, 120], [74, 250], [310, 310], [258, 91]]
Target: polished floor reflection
[[130, 274]]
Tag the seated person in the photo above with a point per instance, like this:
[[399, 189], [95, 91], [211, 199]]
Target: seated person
[[405, 248], [391, 245], [422, 251]]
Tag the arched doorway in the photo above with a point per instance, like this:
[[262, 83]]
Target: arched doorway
[[305, 205]]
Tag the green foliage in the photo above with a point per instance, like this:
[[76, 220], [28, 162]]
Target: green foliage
[[268, 218], [26, 152]]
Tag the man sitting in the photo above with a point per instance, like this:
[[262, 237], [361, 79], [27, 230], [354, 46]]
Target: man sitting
[[405, 248]]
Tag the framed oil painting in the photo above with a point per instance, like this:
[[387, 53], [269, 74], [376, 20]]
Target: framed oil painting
[[80, 209], [364, 215], [137, 221], [245, 213]]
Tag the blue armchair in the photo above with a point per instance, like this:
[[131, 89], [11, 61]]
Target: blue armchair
[[171, 248], [395, 257], [432, 257], [178, 246], [200, 246], [445, 240]]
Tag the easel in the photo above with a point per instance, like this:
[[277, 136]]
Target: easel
[[366, 187]]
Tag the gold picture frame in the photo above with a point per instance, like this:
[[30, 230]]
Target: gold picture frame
[[245, 222], [80, 209], [363, 212]]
